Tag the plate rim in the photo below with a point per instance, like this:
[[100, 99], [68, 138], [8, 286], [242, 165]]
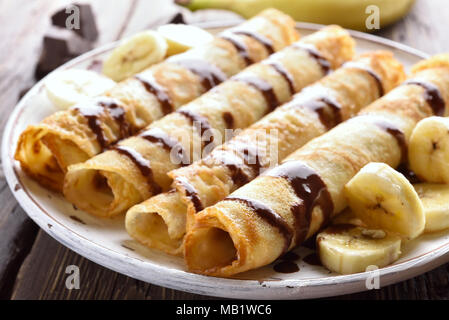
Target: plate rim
[[184, 280]]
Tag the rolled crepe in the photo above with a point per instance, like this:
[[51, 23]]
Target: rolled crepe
[[287, 204], [160, 221], [68, 137], [136, 169]]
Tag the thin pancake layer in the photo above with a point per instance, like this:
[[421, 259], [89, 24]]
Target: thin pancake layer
[[46, 150], [309, 114], [199, 126], [289, 203]]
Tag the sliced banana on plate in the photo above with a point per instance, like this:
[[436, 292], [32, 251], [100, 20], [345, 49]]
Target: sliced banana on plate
[[429, 150], [135, 54], [435, 200], [68, 87], [346, 249], [181, 37], [384, 199]]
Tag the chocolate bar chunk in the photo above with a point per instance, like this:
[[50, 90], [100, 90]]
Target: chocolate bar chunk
[[178, 19], [59, 46], [87, 27]]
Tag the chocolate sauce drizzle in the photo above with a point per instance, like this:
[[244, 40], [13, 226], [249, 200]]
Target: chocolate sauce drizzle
[[284, 73], [286, 267], [93, 112], [408, 173], [191, 193], [156, 135], [311, 189], [270, 216], [209, 74], [239, 45], [228, 119], [375, 76], [236, 158], [397, 134], [314, 53], [203, 124], [263, 86], [267, 43], [119, 115], [161, 95], [432, 95], [319, 106], [143, 165]]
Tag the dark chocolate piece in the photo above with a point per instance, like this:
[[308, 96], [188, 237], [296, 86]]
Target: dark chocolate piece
[[178, 19], [59, 46]]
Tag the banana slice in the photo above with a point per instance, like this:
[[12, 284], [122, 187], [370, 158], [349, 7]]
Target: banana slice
[[435, 201], [384, 199], [181, 37], [345, 249], [68, 87], [429, 150], [135, 54]]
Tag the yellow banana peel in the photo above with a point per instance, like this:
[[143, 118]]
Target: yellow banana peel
[[352, 14]]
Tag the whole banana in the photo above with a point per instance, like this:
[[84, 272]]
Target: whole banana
[[347, 13]]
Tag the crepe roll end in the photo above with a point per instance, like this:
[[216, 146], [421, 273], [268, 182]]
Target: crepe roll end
[[390, 70], [286, 23], [159, 222], [209, 248], [220, 245], [37, 160], [101, 193], [437, 61]]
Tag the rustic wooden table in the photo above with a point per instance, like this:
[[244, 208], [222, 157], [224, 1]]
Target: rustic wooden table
[[32, 265]]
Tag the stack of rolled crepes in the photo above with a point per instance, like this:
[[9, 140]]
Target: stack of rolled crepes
[[287, 204], [73, 136], [136, 168], [160, 222]]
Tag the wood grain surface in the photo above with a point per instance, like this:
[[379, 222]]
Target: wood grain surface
[[32, 265]]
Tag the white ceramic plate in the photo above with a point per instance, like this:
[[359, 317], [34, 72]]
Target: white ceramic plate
[[106, 242]]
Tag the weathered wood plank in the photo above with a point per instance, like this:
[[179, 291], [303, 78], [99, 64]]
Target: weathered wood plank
[[424, 28], [43, 276], [17, 236]]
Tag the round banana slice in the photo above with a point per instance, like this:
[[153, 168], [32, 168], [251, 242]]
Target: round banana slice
[[68, 87], [181, 37], [346, 249], [435, 201], [384, 199], [429, 150], [135, 54]]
